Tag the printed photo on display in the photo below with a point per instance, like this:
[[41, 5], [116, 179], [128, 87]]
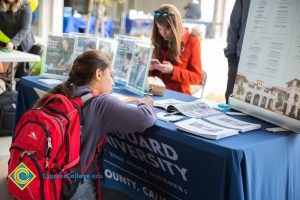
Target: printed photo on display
[[59, 55]]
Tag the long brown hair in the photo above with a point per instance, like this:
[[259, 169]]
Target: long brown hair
[[174, 22], [14, 7], [82, 73]]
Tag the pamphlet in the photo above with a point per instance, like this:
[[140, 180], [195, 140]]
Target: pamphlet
[[204, 129], [196, 109], [166, 102], [169, 117], [232, 123]]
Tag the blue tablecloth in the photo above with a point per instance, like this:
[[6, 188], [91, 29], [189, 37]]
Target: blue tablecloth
[[164, 163]]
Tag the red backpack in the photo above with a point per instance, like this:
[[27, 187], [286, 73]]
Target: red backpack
[[46, 150]]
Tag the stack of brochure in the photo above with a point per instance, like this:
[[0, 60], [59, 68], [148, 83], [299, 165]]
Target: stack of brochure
[[230, 122], [196, 109], [206, 121], [169, 117], [204, 129]]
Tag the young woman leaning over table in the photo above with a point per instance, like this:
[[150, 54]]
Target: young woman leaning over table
[[92, 72]]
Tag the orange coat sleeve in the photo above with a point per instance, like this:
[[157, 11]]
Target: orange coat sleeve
[[190, 72]]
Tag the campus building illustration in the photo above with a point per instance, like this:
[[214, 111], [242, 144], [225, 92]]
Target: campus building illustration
[[280, 100]]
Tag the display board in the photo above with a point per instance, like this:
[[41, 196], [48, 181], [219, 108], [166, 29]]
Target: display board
[[268, 80], [130, 57]]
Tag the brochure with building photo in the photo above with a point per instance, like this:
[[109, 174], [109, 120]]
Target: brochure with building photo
[[196, 109], [123, 58], [232, 123], [268, 81], [138, 73], [108, 46], [84, 42], [205, 129], [59, 55]]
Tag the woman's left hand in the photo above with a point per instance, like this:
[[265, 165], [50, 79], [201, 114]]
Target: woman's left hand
[[166, 67], [9, 46]]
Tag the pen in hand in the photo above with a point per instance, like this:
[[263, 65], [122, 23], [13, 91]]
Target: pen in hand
[[149, 91], [147, 99]]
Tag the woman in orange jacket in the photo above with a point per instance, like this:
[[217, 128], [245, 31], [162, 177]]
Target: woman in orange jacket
[[176, 58]]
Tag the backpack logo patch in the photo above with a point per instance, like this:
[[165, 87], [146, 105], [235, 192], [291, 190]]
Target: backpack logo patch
[[22, 176], [32, 135]]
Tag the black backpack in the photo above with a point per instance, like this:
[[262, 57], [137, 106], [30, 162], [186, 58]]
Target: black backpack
[[8, 104]]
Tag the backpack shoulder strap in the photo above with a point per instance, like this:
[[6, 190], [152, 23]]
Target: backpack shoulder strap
[[84, 99], [81, 101]]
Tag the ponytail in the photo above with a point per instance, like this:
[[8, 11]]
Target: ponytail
[[66, 88]]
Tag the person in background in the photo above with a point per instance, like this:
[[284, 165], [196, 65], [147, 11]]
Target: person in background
[[235, 38], [15, 17], [92, 72], [193, 10], [176, 57], [15, 23]]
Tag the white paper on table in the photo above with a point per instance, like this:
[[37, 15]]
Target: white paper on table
[[39, 92], [50, 81]]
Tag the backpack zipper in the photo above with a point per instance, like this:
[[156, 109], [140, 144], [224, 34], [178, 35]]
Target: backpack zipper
[[67, 129], [61, 131]]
